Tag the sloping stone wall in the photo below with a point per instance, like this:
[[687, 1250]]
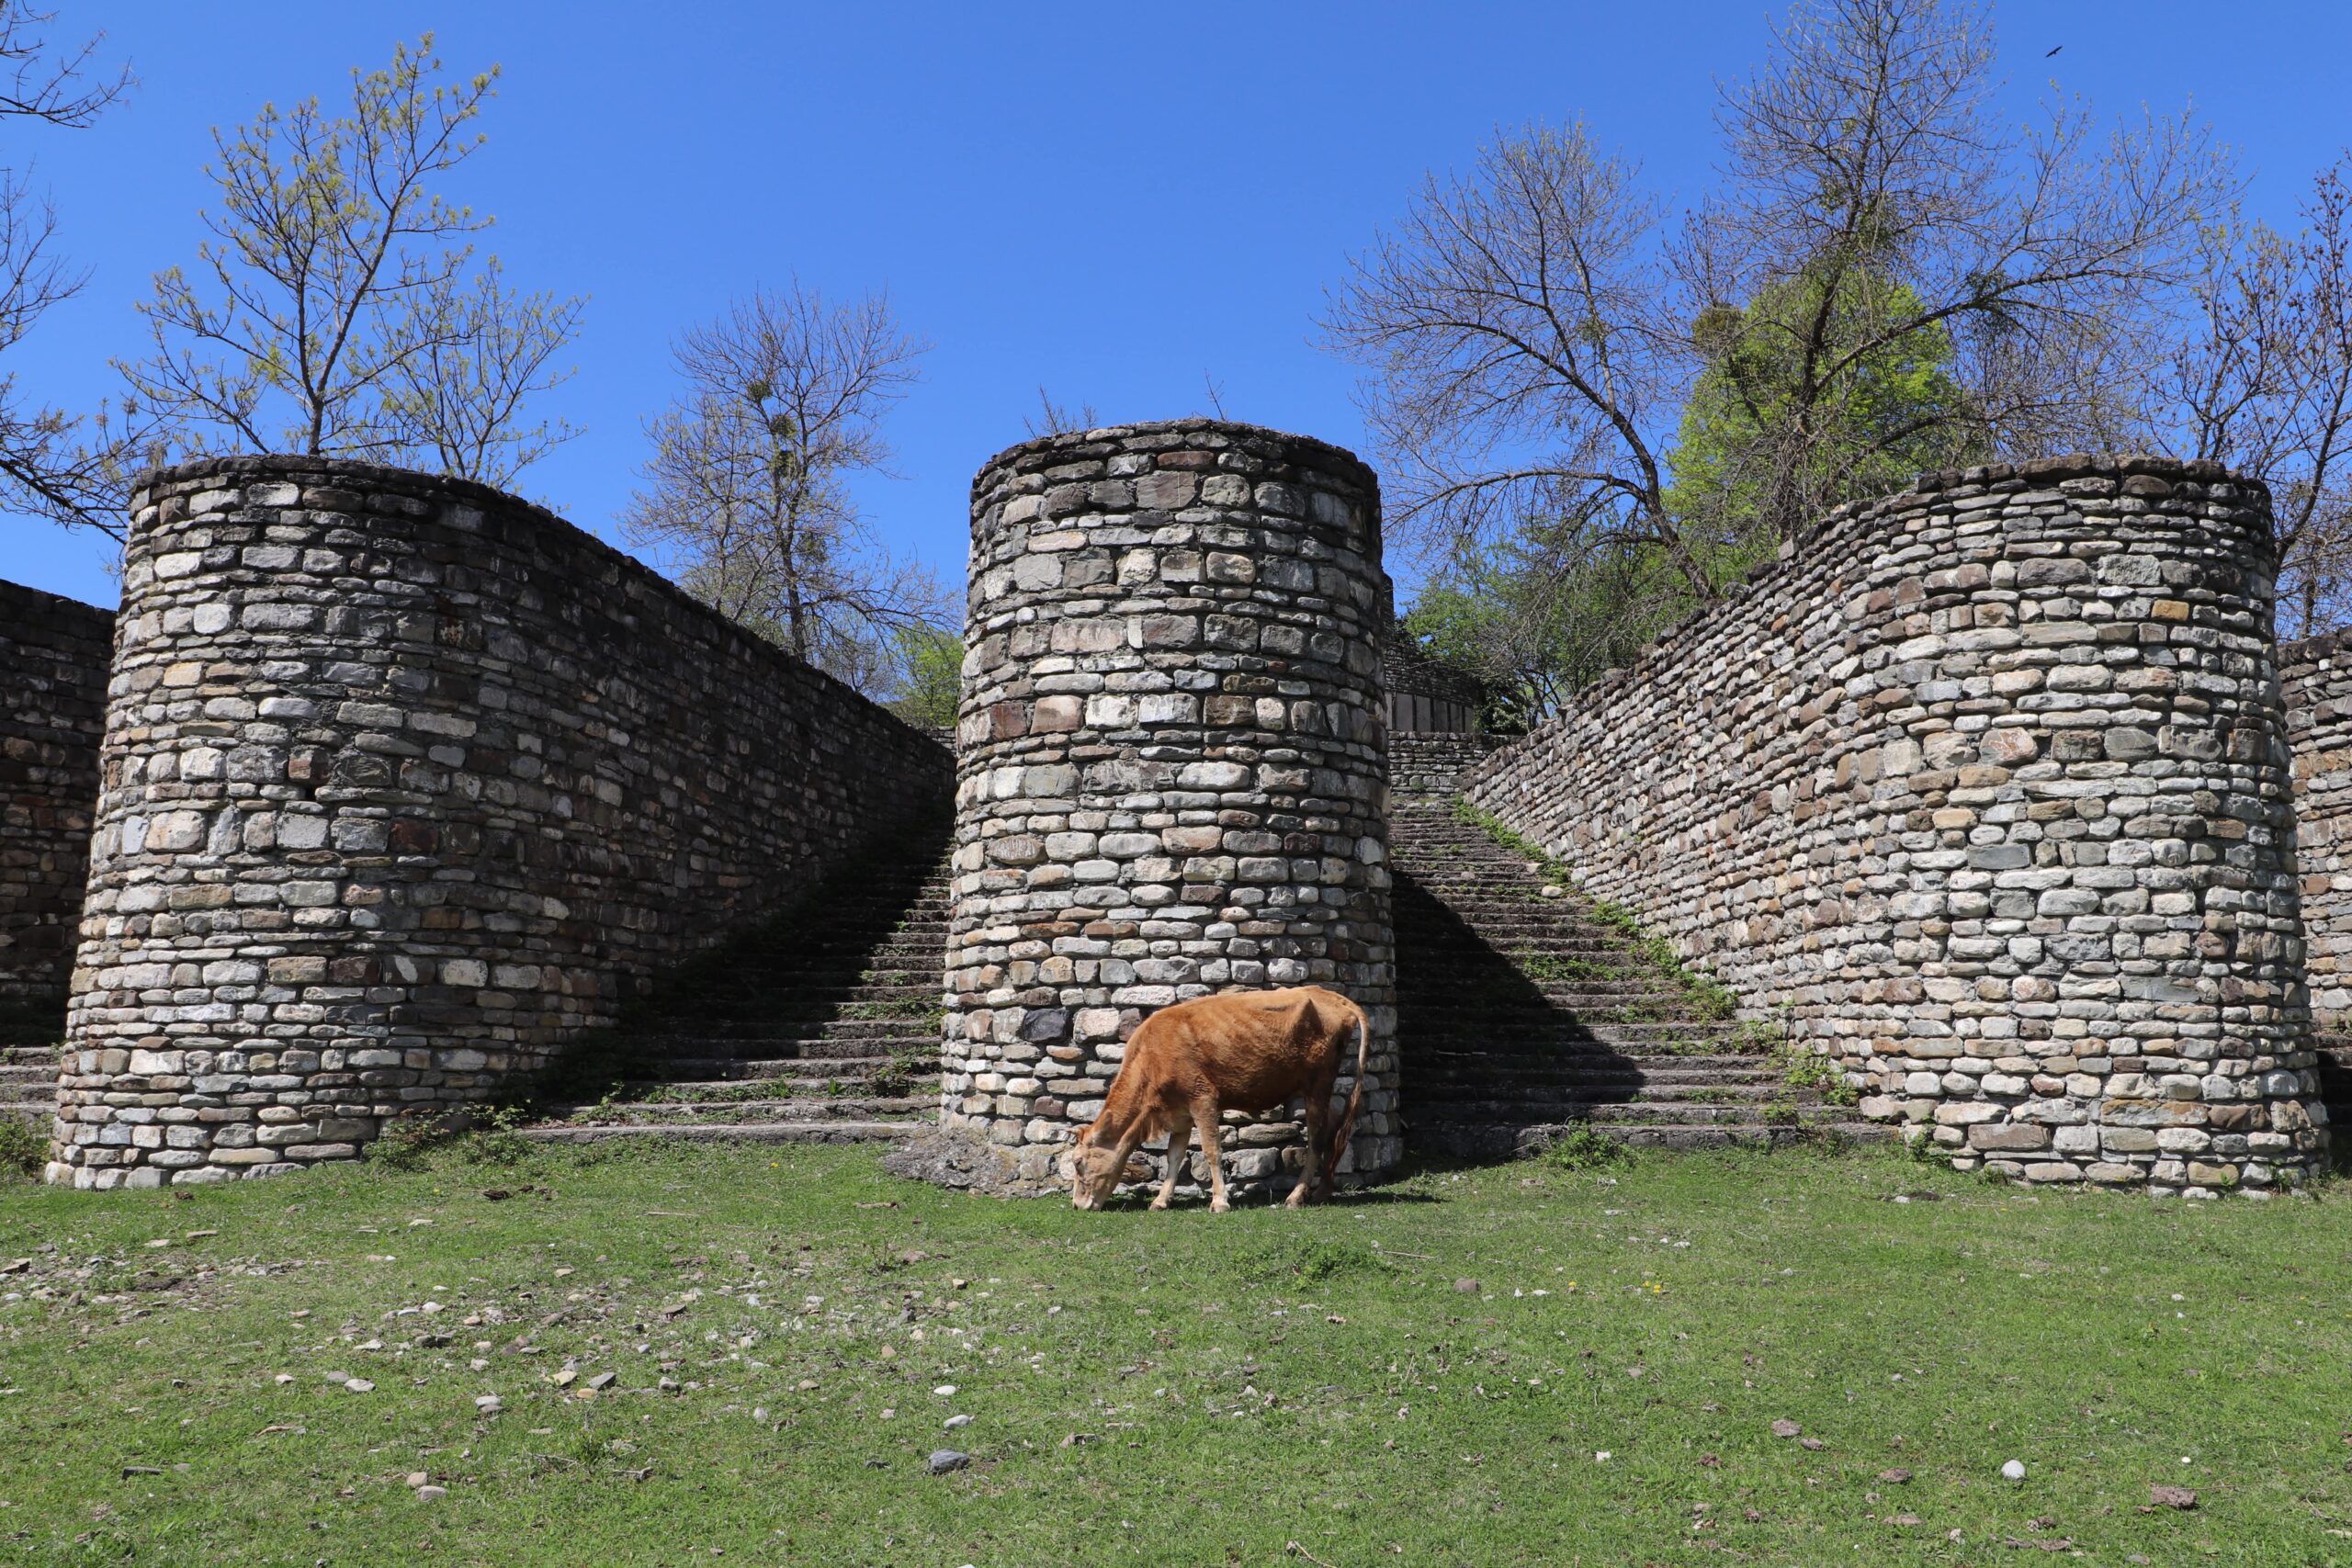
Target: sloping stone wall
[[1170, 765], [2315, 676], [53, 655], [406, 783], [1987, 789]]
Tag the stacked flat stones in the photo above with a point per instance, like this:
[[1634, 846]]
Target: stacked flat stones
[[1170, 776], [53, 660], [2315, 676], [407, 784], [1986, 790]]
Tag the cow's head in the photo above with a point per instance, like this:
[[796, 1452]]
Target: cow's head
[[1094, 1171]]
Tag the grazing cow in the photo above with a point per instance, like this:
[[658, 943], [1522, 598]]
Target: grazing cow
[[1188, 1064]]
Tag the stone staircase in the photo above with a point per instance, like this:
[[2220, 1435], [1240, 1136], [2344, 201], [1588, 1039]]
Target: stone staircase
[[1525, 1013], [29, 1036], [2336, 1092], [821, 1026]]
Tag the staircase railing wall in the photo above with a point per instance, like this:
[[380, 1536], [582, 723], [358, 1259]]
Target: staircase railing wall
[[407, 783], [1985, 791]]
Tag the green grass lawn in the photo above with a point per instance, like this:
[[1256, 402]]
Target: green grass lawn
[[1263, 1387]]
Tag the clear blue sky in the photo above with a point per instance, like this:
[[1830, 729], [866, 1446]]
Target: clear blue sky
[[1110, 200]]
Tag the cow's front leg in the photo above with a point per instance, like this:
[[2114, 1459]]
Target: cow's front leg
[[1205, 1113], [1180, 1140]]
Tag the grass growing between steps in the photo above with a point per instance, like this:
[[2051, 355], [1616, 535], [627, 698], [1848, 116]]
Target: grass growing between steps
[[1181, 1388], [1703, 996]]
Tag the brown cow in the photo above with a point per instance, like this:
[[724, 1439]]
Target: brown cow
[[1188, 1064]]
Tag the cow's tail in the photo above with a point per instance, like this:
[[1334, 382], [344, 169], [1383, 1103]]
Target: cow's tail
[[1355, 1101]]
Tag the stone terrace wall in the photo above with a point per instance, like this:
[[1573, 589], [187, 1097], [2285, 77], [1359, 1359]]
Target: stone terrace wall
[[1987, 786], [53, 655], [1432, 765], [407, 783], [1170, 765], [1424, 697], [2315, 677]]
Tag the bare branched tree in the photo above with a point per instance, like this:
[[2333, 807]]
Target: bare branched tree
[[2263, 383], [1058, 419], [748, 495], [45, 469], [1873, 195], [1523, 347], [342, 315], [1891, 277]]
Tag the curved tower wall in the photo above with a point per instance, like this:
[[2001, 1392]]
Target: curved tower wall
[[1171, 773], [1985, 790], [406, 782]]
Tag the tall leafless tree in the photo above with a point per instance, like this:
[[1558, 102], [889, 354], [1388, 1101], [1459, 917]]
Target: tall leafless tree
[[2262, 382], [749, 493], [45, 469], [1531, 334]]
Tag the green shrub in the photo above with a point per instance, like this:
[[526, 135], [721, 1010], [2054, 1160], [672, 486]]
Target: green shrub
[[1288, 1259], [23, 1149], [1804, 1069], [1584, 1150]]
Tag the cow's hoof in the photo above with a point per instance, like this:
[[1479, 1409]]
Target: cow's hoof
[[1159, 1204], [1219, 1206]]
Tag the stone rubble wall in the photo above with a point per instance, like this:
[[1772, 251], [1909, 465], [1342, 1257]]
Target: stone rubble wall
[[53, 657], [1986, 790], [406, 783], [1170, 774], [2315, 677], [1423, 695], [1432, 765]]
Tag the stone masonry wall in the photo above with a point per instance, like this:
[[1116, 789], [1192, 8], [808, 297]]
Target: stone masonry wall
[[1170, 765], [406, 783], [1433, 764], [1986, 788], [53, 655], [2315, 677]]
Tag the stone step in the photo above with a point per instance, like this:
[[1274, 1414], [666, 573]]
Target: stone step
[[650, 1052], [869, 1131], [1679, 1102], [689, 1070], [808, 1078], [1427, 1076], [758, 1027], [803, 1107], [1488, 1140], [30, 1056]]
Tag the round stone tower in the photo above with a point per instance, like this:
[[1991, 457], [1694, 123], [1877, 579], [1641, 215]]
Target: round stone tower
[[1172, 766]]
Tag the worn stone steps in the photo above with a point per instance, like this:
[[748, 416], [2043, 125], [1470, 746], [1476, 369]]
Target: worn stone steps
[[1491, 1140], [769, 1040], [802, 1107], [845, 1131], [1493, 1054], [28, 1037], [784, 1086]]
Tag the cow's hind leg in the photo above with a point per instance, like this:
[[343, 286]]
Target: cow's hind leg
[[1318, 1142], [1204, 1114], [1179, 1143]]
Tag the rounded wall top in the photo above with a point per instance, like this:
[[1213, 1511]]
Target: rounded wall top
[[1046, 450], [2084, 465], [250, 465]]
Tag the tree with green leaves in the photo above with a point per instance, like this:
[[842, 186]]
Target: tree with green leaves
[[1562, 383], [339, 308]]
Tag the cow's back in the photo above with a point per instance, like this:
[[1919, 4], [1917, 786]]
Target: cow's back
[[1252, 1049]]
